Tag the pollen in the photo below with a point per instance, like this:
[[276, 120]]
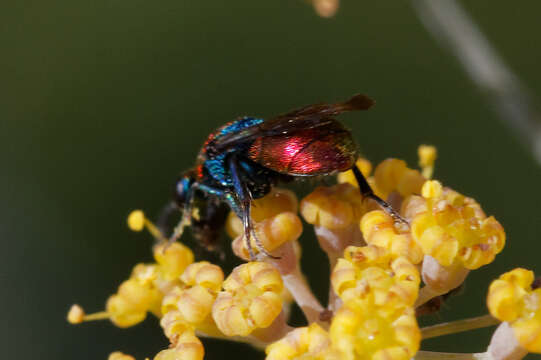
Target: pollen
[[512, 299], [367, 333], [453, 228], [370, 275], [251, 298]]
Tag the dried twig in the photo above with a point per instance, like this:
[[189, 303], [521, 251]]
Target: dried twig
[[454, 29]]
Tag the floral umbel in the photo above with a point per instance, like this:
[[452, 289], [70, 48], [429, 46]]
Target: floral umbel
[[384, 275]]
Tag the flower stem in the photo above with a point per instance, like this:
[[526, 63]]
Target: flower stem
[[426, 294], [458, 326], [432, 355], [97, 316], [309, 304]]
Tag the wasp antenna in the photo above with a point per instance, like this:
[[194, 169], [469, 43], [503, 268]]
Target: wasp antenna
[[359, 102]]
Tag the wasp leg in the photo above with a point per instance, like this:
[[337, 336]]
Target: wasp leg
[[245, 209], [163, 218], [186, 215], [258, 242], [187, 211], [366, 191]]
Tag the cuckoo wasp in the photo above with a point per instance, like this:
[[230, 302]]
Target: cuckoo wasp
[[245, 158]]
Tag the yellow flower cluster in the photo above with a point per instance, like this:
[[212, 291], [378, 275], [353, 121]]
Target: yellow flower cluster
[[143, 291], [251, 299], [367, 333], [369, 275], [452, 228], [376, 265], [187, 306], [377, 320], [512, 299]]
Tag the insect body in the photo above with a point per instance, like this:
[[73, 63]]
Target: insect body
[[245, 158]]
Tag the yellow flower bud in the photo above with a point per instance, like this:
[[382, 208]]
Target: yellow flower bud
[[334, 207], [139, 295], [117, 355], [123, 313], [370, 275], [379, 229], [195, 303], [145, 274], [394, 175], [76, 314], [309, 342], [136, 220], [205, 274], [187, 347], [251, 299], [174, 325], [365, 332], [272, 233], [278, 201], [432, 189], [172, 259], [512, 299], [427, 157], [200, 283], [141, 288], [170, 300]]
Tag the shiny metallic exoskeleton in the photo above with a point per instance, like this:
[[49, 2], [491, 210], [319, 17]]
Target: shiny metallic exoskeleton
[[244, 159]]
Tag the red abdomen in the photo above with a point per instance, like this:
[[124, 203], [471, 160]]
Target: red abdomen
[[317, 151]]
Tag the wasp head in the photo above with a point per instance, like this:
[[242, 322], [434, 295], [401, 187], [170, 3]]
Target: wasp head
[[182, 188]]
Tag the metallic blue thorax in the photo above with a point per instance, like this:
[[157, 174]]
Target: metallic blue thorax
[[216, 166]]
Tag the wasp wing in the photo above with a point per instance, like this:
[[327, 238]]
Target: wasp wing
[[308, 117]]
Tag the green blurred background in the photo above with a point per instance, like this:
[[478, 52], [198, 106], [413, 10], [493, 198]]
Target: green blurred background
[[104, 102]]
